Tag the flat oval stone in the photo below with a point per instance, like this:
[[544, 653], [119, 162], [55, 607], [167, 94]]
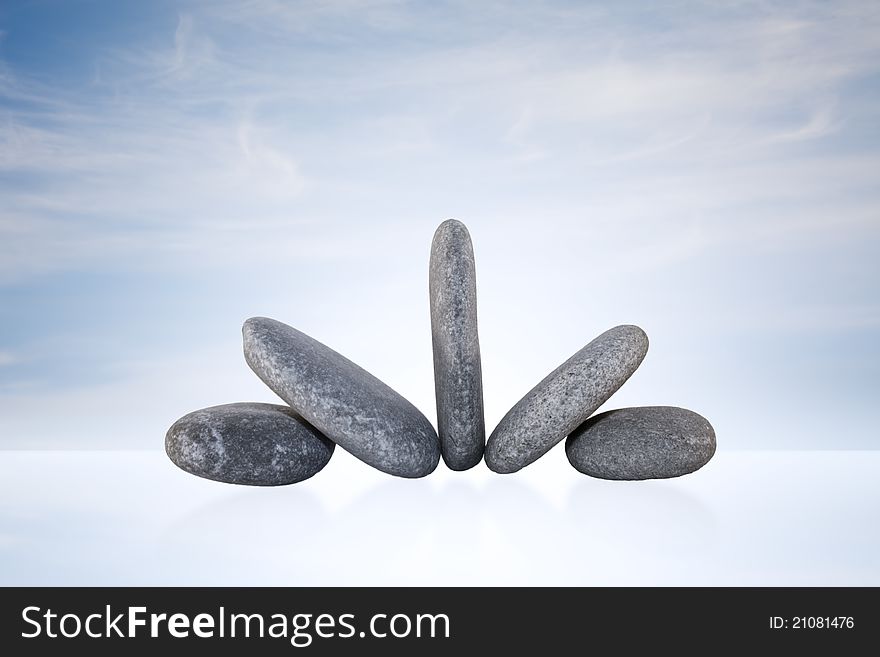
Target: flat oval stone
[[565, 398], [342, 400], [458, 379], [248, 443], [650, 442]]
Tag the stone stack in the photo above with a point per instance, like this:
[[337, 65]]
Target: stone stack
[[332, 401]]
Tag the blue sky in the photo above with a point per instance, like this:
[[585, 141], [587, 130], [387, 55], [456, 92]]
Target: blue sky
[[710, 172]]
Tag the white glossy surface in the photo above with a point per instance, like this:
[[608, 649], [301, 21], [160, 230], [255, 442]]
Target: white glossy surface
[[748, 518]]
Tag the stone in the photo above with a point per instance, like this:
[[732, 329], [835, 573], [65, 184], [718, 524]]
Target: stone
[[565, 398], [458, 379], [342, 400], [650, 442], [248, 443]]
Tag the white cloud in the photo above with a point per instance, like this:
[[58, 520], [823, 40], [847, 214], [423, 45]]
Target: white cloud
[[225, 142], [238, 125], [311, 149]]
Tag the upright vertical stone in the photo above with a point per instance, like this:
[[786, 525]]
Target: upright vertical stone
[[458, 380]]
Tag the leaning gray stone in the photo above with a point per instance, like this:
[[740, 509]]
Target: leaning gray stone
[[565, 398], [343, 401], [248, 443], [458, 381], [651, 442]]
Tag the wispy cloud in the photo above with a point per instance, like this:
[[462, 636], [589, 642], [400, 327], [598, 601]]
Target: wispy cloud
[[241, 111], [312, 142]]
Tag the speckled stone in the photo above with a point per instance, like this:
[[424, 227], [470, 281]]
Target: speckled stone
[[248, 443], [565, 398], [650, 442], [342, 400], [458, 380]]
